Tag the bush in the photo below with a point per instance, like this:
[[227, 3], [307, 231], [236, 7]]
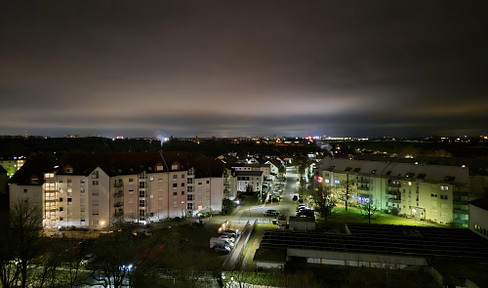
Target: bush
[[394, 211]]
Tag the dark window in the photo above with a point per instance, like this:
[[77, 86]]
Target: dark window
[[348, 169], [421, 176]]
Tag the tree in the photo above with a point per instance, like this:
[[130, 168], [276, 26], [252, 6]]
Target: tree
[[24, 235], [368, 208], [341, 192], [324, 202]]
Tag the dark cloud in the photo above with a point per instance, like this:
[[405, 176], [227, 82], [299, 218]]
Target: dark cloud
[[243, 67]]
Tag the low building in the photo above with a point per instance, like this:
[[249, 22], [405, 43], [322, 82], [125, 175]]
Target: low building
[[478, 216]]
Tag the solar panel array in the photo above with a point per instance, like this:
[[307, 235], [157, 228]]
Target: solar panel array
[[432, 243]]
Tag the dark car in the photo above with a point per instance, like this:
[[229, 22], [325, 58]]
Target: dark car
[[222, 248], [271, 212]]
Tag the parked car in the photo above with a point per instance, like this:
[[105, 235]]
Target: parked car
[[271, 212], [215, 241], [87, 260], [228, 237], [303, 208], [222, 248], [234, 233], [309, 213]]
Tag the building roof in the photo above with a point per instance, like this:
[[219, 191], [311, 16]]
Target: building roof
[[480, 203], [2, 170], [114, 164], [247, 173], [433, 173], [35, 165], [427, 242]]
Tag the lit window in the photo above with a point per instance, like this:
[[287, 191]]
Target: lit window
[[337, 182]]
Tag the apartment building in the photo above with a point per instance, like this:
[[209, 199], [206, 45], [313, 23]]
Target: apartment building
[[94, 190], [430, 192]]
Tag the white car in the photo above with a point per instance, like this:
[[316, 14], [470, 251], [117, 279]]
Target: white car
[[87, 260]]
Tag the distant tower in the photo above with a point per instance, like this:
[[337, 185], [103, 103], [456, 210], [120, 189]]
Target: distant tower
[[25, 134]]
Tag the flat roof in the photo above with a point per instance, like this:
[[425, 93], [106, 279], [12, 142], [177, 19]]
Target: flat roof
[[428, 242]]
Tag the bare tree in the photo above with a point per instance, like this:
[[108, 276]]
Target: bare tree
[[368, 208], [25, 232], [9, 268]]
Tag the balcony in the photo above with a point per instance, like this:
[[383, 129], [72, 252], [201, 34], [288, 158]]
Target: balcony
[[364, 188], [119, 194], [394, 184], [118, 204]]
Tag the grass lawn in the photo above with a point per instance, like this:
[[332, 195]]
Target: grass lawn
[[353, 215]]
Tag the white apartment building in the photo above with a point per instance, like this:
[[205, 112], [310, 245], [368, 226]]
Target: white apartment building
[[431, 192], [94, 190]]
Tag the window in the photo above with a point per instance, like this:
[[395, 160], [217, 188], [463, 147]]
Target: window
[[142, 203], [94, 202], [189, 206], [95, 175], [61, 199], [182, 176], [61, 209], [348, 169], [95, 182], [208, 181], [189, 197], [131, 180], [49, 175], [95, 193], [182, 192], [69, 170], [409, 175], [142, 185], [25, 190], [142, 213], [449, 178], [182, 184], [70, 200], [175, 193], [174, 167], [421, 176], [68, 181], [95, 212], [142, 193], [175, 185], [175, 176], [444, 188]]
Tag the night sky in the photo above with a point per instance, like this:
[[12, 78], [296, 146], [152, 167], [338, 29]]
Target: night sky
[[234, 68]]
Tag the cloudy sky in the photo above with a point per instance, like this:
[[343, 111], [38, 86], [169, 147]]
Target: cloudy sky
[[234, 68]]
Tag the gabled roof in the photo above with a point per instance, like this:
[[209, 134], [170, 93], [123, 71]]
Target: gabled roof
[[207, 167], [35, 165], [434, 173]]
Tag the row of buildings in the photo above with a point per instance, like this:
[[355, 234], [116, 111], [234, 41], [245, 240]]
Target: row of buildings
[[93, 190], [435, 193]]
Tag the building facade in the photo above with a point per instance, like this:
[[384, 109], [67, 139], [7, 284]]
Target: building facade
[[429, 192], [95, 190]]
